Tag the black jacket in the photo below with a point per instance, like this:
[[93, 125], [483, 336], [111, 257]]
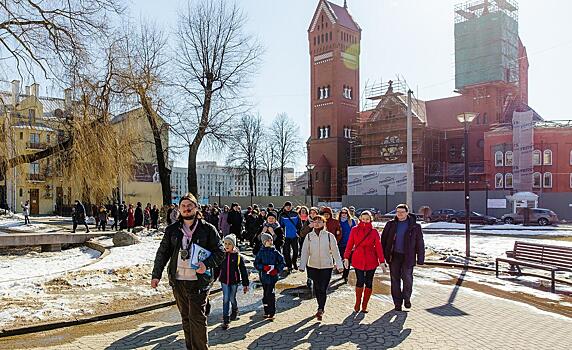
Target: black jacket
[[414, 244], [233, 270], [138, 216], [205, 235], [234, 218]]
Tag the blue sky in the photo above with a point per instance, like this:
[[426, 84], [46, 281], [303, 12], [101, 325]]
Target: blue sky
[[412, 38]]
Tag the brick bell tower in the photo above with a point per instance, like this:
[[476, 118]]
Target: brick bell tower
[[334, 42]]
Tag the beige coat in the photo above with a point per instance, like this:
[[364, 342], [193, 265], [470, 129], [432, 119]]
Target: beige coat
[[320, 251]]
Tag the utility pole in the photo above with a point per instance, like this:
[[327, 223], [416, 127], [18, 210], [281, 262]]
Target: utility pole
[[409, 194]]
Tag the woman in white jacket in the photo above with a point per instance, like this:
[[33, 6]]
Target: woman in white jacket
[[320, 254]]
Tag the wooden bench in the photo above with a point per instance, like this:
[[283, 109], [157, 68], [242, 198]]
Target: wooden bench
[[539, 256]]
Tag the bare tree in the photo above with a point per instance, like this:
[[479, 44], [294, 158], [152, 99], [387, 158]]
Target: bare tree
[[215, 60], [267, 159], [244, 144], [142, 75], [47, 34], [286, 134]]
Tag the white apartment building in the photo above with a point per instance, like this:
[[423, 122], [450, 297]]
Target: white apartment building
[[215, 179]]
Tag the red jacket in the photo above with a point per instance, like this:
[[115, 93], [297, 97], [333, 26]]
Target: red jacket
[[368, 253]]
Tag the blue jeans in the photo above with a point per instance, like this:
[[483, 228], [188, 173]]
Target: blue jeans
[[229, 296]]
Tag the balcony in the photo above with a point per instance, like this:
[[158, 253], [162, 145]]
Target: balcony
[[36, 145], [36, 177]]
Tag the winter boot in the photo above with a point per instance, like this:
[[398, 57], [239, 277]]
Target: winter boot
[[366, 296], [225, 322], [359, 292], [234, 315]]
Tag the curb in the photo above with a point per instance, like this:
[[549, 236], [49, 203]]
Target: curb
[[64, 324]]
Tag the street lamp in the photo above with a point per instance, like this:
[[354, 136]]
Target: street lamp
[[311, 167], [386, 187], [466, 119], [305, 195], [219, 183]]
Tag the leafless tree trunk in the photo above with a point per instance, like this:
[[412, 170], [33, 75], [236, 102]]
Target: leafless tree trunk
[[215, 61], [267, 159], [142, 75], [244, 143], [286, 134], [48, 34]]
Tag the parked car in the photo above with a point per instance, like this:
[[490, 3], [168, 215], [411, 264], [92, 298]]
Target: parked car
[[373, 211], [539, 216], [391, 214], [442, 215], [474, 218]]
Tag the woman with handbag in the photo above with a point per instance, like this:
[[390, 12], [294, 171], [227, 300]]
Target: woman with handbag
[[365, 254]]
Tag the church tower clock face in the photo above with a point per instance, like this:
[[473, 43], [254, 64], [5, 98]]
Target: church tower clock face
[[392, 148]]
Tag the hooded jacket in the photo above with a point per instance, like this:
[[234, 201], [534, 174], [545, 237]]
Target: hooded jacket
[[365, 242], [233, 270], [333, 225], [265, 257], [414, 244]]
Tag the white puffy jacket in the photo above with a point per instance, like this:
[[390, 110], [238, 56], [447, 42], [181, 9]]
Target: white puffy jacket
[[320, 251]]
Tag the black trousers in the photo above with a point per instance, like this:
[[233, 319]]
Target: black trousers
[[346, 273], [291, 247], [26, 219], [115, 223], [191, 303], [364, 278], [269, 299], [321, 279], [399, 272], [75, 226]]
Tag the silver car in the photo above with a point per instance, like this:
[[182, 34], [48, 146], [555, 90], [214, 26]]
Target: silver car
[[539, 216]]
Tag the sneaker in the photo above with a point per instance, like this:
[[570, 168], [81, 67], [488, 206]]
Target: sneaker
[[319, 315], [408, 304], [234, 315], [225, 326]]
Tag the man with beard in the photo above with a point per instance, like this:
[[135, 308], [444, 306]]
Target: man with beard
[[190, 286]]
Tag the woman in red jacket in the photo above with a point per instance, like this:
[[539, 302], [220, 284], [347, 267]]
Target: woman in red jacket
[[365, 254], [130, 218]]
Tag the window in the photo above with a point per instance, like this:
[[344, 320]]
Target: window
[[21, 192], [570, 180], [547, 180], [330, 36], [508, 180], [484, 118], [570, 157], [536, 157], [21, 135], [498, 180], [547, 157], [32, 115], [314, 41], [536, 180], [508, 158], [498, 158], [34, 168]]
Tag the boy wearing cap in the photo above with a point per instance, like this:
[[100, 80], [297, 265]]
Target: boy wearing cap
[[270, 263], [233, 272]]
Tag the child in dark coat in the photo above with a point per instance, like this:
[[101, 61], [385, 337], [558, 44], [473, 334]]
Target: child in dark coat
[[270, 263], [233, 272]]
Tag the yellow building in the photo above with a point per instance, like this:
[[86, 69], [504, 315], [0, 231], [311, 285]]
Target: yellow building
[[144, 186], [30, 123]]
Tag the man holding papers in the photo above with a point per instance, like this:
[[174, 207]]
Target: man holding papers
[[192, 248]]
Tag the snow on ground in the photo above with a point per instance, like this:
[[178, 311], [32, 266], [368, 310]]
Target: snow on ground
[[137, 254]]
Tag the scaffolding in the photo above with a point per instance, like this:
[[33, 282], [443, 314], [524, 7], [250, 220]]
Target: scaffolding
[[486, 42]]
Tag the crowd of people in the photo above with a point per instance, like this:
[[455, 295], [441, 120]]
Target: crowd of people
[[283, 241], [125, 216]]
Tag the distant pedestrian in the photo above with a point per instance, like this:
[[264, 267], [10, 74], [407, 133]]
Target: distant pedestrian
[[292, 224], [78, 216], [115, 215], [403, 245], [269, 263], [174, 214], [319, 255], [147, 216], [233, 273], [138, 215], [130, 218], [95, 214], [102, 218], [346, 225], [154, 217], [223, 225], [123, 217], [234, 219], [26, 212], [365, 254]]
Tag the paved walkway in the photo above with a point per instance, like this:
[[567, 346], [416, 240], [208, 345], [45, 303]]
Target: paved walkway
[[442, 317]]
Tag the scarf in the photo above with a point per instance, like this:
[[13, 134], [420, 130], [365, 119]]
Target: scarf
[[274, 225]]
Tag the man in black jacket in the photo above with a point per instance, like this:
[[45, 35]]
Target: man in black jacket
[[234, 219], [403, 246], [139, 215], [190, 286]]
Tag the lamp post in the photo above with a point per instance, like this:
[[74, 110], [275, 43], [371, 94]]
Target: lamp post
[[466, 119], [311, 167], [305, 195], [219, 183], [386, 187]]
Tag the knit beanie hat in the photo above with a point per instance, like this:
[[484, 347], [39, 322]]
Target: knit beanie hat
[[265, 237], [271, 214], [230, 238]]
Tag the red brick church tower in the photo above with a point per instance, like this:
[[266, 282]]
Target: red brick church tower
[[334, 42]]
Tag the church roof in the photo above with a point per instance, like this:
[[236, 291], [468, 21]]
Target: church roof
[[343, 16], [323, 162]]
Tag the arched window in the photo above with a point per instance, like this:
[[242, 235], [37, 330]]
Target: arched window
[[508, 158], [508, 180], [498, 158], [320, 134], [498, 180], [536, 157], [570, 157], [547, 180], [570, 180], [536, 180], [350, 93], [328, 91], [547, 157]]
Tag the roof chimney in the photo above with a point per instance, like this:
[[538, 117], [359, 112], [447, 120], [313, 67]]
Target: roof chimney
[[67, 98], [35, 89], [15, 92], [27, 90], [345, 4]]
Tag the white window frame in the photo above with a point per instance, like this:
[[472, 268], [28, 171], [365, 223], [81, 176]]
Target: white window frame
[[499, 158], [508, 176], [508, 158], [35, 168], [539, 176], [497, 177], [546, 153], [570, 180], [538, 154], [544, 177], [571, 157]]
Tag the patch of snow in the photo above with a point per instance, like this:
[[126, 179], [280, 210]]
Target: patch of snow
[[137, 254]]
